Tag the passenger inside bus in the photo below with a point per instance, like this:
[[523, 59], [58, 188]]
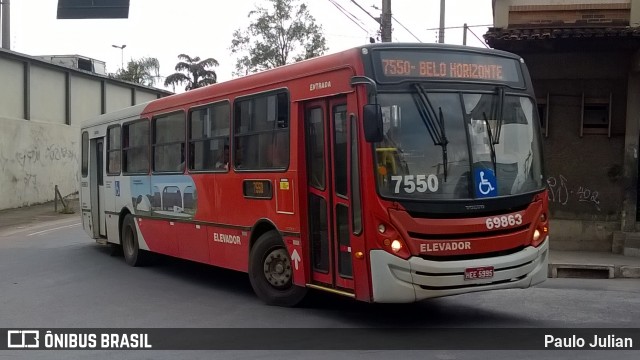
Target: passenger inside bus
[[182, 159], [223, 160]]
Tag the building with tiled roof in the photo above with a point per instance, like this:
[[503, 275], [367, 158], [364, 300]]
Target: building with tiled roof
[[585, 65]]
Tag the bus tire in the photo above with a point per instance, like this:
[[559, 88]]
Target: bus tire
[[133, 255], [271, 274]]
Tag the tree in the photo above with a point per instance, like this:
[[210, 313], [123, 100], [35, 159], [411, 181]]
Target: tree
[[143, 71], [280, 33], [197, 72]]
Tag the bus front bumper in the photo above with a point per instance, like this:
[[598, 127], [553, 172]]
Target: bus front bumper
[[396, 280]]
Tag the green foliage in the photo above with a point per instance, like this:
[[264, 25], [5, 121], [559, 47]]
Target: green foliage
[[194, 72], [143, 71], [282, 32]]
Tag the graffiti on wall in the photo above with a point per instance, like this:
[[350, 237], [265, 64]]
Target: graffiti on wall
[[561, 192], [29, 173], [45, 155]]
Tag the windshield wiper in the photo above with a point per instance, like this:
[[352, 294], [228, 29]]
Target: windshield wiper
[[491, 141], [433, 122], [499, 114]]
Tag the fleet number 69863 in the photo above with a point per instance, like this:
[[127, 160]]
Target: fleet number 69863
[[503, 221]]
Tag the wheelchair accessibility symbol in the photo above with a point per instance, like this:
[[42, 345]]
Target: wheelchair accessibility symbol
[[486, 185]]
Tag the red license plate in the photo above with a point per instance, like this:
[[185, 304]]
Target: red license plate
[[485, 272]]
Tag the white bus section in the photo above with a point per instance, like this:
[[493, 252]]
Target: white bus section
[[97, 201], [396, 280]]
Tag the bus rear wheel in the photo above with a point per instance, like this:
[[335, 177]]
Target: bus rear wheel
[[271, 273], [133, 255]]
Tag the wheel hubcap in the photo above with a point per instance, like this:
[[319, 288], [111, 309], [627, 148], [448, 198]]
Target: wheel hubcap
[[277, 268]]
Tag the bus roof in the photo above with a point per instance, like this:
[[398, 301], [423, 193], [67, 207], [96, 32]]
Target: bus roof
[[347, 58], [128, 113]]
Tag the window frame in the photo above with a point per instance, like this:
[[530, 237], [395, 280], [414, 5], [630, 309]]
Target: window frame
[[590, 104], [84, 149], [153, 145], [108, 150], [543, 105], [123, 149], [190, 140], [307, 114], [235, 136], [355, 184]]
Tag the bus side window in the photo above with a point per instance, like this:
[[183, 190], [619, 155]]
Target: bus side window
[[209, 133], [262, 132], [168, 143], [135, 147], [113, 150]]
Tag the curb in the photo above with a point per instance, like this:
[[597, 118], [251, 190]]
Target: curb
[[593, 271]]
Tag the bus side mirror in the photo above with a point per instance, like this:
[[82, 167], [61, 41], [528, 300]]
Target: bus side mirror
[[372, 121]]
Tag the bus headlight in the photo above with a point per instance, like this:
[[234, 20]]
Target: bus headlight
[[390, 240], [541, 230], [396, 246], [536, 235]]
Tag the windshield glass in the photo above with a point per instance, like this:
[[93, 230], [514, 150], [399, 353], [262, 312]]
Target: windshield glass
[[455, 145]]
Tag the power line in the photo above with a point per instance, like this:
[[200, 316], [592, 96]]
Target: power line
[[371, 16], [474, 34], [350, 13], [350, 16], [460, 27], [404, 27], [393, 17]]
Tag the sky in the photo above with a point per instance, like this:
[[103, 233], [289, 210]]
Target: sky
[[165, 28]]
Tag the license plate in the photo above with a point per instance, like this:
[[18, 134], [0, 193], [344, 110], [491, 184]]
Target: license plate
[[485, 272]]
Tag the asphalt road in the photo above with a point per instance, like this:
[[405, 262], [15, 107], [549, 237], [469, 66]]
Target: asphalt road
[[54, 276]]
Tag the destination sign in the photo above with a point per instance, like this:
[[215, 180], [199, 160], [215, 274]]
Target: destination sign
[[431, 64]]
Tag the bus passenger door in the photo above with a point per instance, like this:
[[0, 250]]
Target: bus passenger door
[[99, 169], [327, 145]]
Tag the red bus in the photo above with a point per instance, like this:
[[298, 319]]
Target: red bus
[[386, 173]]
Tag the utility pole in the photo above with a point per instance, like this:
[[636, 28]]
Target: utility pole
[[441, 32], [385, 21], [464, 34], [6, 24]]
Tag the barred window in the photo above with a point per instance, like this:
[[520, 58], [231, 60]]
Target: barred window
[[168, 143], [114, 144], [209, 134], [135, 147], [261, 127]]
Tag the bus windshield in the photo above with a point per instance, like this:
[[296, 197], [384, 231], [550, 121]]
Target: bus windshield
[[457, 145]]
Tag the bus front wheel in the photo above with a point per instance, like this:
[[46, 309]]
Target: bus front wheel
[[271, 273], [133, 255]]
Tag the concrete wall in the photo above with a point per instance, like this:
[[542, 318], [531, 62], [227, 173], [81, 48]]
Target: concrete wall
[[635, 13], [144, 96], [118, 97], [34, 157], [85, 97], [39, 147], [48, 95]]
